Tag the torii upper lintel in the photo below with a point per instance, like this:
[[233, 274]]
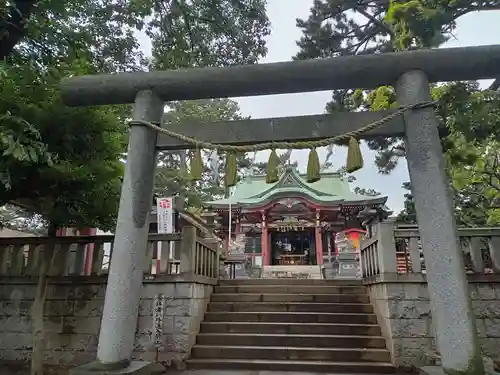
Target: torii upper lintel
[[362, 71]]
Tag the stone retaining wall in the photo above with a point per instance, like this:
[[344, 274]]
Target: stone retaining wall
[[404, 313], [73, 317]]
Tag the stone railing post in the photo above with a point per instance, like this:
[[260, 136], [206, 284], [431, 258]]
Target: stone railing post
[[188, 250], [209, 218], [216, 247], [386, 248], [452, 311]]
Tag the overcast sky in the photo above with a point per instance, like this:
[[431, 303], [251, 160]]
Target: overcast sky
[[473, 29]]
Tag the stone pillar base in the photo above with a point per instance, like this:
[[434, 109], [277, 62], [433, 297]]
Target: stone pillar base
[[134, 368]]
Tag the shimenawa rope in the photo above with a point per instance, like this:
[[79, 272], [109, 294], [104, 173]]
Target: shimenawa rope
[[354, 159]]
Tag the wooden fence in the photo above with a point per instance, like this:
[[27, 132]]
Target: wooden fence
[[91, 255], [396, 249]]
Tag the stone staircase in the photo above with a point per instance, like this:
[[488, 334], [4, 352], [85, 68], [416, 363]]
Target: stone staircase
[[291, 324]]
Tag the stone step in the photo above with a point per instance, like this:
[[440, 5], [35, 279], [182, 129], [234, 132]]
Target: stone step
[[230, 282], [294, 289], [291, 353], [291, 325], [289, 365], [291, 317], [290, 340], [291, 328], [292, 267], [289, 307], [292, 272], [275, 297]]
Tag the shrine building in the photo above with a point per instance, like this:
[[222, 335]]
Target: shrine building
[[293, 222]]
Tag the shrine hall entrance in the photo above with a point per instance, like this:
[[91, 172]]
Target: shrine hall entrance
[[293, 248]]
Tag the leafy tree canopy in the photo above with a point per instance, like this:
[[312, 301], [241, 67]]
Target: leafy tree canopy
[[65, 162], [173, 176], [470, 115]]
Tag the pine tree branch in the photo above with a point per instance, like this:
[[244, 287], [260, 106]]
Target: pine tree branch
[[376, 21]]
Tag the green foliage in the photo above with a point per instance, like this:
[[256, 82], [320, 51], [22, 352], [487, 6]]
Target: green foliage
[[476, 182], [65, 162], [173, 175], [472, 119], [61, 162], [408, 214], [470, 115], [183, 33], [190, 33], [429, 23]]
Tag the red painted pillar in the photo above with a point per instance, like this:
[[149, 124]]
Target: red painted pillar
[[319, 240], [89, 250], [265, 247], [265, 242]]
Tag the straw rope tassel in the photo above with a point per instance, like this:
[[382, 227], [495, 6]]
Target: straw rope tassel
[[231, 173], [272, 167], [313, 167], [354, 156], [196, 165]]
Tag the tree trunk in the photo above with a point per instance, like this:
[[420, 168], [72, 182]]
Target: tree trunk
[[14, 28], [37, 310]]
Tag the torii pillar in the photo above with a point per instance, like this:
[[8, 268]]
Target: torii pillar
[[451, 306], [123, 291]]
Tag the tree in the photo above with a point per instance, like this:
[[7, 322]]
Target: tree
[[20, 219], [14, 16], [187, 33], [408, 215], [183, 32], [337, 28], [64, 163], [476, 184], [173, 176]]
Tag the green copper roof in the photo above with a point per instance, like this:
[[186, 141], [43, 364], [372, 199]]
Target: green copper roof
[[331, 188]]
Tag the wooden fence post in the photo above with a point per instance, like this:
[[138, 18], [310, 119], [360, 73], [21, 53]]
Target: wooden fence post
[[188, 248]]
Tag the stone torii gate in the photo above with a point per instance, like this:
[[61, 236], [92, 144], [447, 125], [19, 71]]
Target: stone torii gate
[[409, 72]]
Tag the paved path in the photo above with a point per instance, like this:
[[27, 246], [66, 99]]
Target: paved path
[[8, 371], [248, 372]]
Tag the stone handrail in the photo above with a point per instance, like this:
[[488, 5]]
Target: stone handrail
[[206, 258], [395, 249], [91, 255]]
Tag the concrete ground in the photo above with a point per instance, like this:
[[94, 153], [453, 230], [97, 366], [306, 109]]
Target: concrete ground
[[7, 370], [206, 372], [248, 372]]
